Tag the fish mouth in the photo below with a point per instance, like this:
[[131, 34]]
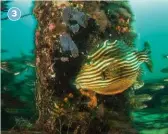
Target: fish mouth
[[77, 85]]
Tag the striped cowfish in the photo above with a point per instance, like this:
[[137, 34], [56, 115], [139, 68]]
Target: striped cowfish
[[112, 67]]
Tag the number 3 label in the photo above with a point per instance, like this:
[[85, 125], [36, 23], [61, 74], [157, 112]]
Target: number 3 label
[[14, 14]]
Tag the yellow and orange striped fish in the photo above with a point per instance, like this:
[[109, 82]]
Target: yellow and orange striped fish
[[112, 67]]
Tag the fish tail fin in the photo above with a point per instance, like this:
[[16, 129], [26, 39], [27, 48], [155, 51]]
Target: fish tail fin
[[145, 56]]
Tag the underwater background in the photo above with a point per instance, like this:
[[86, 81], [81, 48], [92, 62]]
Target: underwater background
[[151, 24]]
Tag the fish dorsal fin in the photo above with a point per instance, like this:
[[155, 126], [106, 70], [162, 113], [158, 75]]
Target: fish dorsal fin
[[114, 42], [108, 43], [105, 47]]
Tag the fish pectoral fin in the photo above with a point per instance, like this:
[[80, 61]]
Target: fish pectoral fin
[[106, 75], [109, 72]]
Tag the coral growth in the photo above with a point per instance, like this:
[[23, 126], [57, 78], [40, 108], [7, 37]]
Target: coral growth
[[66, 31]]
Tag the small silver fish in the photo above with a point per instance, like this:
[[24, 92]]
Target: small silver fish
[[165, 80], [164, 70], [164, 99], [139, 106], [164, 107], [165, 56], [137, 85], [141, 98], [4, 51], [17, 73], [31, 64], [5, 67], [155, 87], [20, 71]]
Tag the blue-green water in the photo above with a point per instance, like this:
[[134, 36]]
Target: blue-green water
[[18, 36], [151, 24]]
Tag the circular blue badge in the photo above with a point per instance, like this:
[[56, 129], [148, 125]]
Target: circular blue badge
[[14, 13]]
